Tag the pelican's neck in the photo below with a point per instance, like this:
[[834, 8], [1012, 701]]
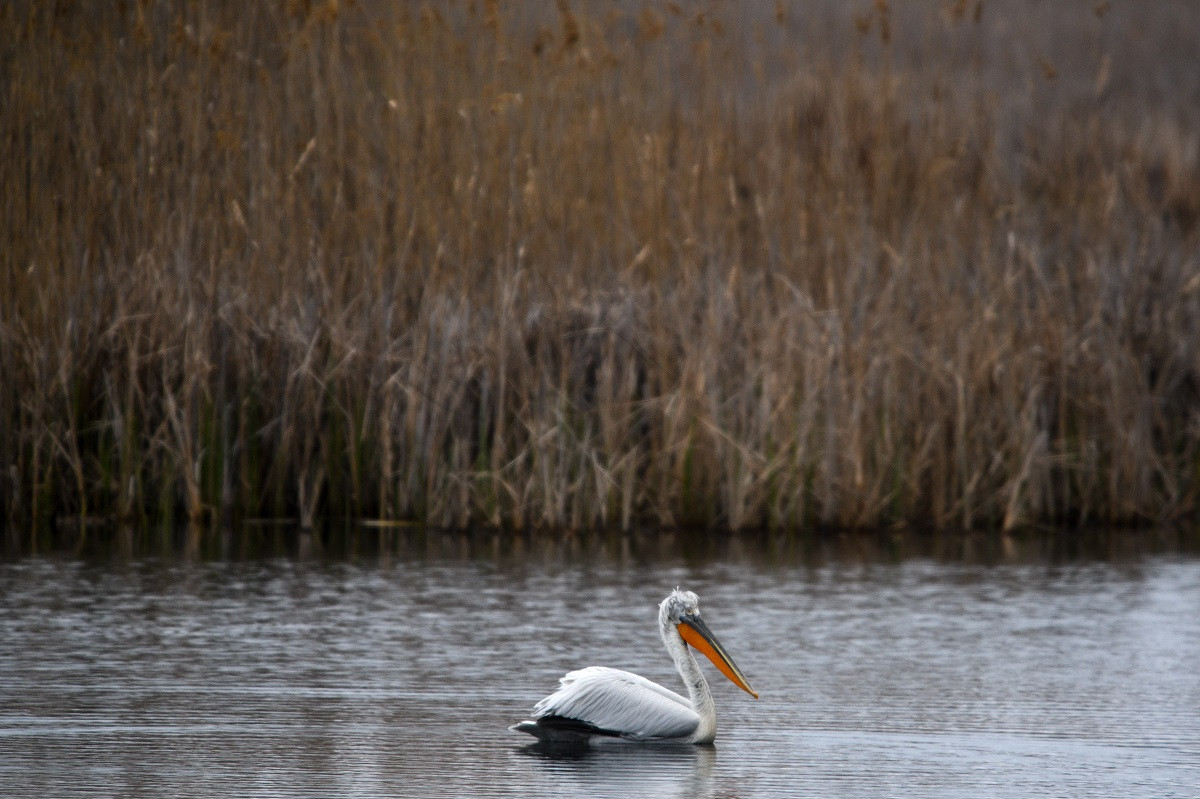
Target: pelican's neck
[[693, 678]]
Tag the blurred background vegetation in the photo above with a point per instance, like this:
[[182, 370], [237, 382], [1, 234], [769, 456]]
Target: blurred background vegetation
[[600, 264]]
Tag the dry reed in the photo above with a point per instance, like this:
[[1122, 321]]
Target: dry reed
[[606, 264]]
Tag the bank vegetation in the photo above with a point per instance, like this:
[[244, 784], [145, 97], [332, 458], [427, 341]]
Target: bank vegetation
[[600, 264]]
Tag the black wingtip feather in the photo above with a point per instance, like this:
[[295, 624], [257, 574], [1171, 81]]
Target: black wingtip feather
[[575, 725]]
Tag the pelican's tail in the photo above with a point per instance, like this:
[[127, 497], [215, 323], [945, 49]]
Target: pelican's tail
[[530, 727]]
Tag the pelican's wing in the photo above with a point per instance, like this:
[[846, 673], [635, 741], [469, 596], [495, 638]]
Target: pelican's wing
[[621, 703]]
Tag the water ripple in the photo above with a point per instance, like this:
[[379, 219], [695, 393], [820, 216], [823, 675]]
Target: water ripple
[[400, 678]]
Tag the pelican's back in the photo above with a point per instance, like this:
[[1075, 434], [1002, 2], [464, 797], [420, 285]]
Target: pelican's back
[[604, 701]]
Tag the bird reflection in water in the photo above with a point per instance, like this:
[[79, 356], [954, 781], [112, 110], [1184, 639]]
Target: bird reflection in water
[[615, 767]]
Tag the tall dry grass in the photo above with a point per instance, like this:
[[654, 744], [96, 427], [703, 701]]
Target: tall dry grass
[[602, 264]]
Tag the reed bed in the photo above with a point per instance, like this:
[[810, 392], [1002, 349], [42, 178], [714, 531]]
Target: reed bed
[[600, 264]]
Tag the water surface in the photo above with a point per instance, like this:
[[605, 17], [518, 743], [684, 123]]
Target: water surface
[[398, 671]]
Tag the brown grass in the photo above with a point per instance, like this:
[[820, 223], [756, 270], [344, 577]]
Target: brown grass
[[605, 264]]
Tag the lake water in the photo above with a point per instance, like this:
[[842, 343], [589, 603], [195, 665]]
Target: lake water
[[395, 669]]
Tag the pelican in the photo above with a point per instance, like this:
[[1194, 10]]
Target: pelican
[[599, 701]]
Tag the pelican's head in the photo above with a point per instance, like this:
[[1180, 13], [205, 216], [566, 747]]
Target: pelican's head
[[681, 611]]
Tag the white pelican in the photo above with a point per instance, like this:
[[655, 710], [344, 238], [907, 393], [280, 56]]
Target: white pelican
[[599, 701]]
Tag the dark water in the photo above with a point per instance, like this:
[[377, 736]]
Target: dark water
[[396, 673]]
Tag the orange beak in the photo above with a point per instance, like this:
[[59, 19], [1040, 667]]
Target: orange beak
[[696, 633]]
